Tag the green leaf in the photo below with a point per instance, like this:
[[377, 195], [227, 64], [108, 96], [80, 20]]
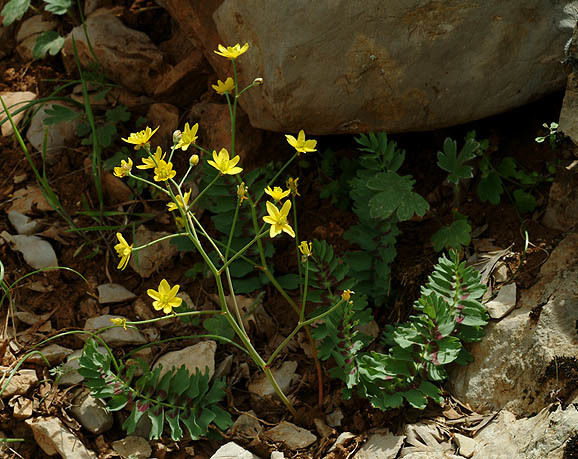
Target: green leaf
[[448, 349], [490, 188], [117, 114], [415, 398], [222, 419], [453, 163], [192, 426], [59, 113], [431, 390], [157, 417], [14, 10], [58, 7], [219, 326], [172, 417], [118, 402], [524, 201], [457, 235], [48, 42]]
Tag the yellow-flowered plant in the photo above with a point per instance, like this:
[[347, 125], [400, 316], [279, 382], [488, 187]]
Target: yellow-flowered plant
[[267, 218]]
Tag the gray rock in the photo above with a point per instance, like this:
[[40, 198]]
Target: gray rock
[[381, 445], [200, 355], [120, 51], [55, 438], [116, 336], [91, 413], [20, 382], [509, 364], [132, 447], [283, 375], [54, 353], [29, 198], [246, 427], [466, 445], [22, 408], [292, 436], [277, 455], [114, 293], [382, 59], [58, 136], [149, 260], [232, 450], [23, 224], [562, 210], [504, 302], [334, 418], [538, 437], [37, 252], [14, 101]]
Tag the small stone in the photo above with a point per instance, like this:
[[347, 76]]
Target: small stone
[[247, 427], [277, 455], [20, 382], [34, 25], [58, 136], [91, 413], [37, 252], [467, 445], [198, 356], [342, 438], [22, 408], [382, 445], [283, 375], [334, 418], [132, 447], [114, 293], [504, 302], [53, 437], [501, 273], [26, 199], [149, 260], [232, 450], [224, 367], [290, 435], [23, 224], [322, 429], [53, 353], [116, 336], [562, 210], [14, 101]]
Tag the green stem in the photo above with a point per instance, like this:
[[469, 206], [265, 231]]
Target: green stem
[[205, 190], [148, 182], [295, 225], [240, 252], [279, 391], [164, 238], [185, 176], [232, 228], [234, 299], [305, 289], [234, 115], [171, 316], [276, 177], [246, 89]]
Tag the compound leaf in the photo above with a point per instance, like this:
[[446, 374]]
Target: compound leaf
[[48, 42]]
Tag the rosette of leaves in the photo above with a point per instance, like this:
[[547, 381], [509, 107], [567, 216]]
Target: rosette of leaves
[[177, 399], [449, 313], [381, 199]]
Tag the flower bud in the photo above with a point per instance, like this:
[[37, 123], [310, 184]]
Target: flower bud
[[258, 81], [177, 136], [194, 160], [346, 295]]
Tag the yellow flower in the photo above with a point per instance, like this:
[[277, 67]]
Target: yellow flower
[[232, 52], [164, 171], [346, 295], [278, 219], [292, 185], [123, 250], [180, 222], [120, 321], [194, 160], [124, 169], [300, 144], [166, 298], [188, 137], [223, 88], [242, 191], [277, 193], [306, 249], [152, 161], [140, 139], [223, 164], [180, 202]]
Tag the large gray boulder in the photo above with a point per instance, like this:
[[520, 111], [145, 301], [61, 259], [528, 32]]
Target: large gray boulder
[[346, 66]]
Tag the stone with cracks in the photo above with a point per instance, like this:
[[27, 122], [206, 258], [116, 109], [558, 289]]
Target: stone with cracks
[[381, 445], [58, 136], [19, 383], [116, 336], [114, 293], [283, 375], [198, 356], [149, 260], [387, 64], [55, 438], [133, 447], [292, 436], [91, 413], [509, 367], [562, 210], [14, 101]]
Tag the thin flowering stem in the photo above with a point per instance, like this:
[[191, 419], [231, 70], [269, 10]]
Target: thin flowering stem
[[164, 238], [279, 391], [173, 148], [234, 299], [276, 176], [185, 176], [247, 88], [136, 177], [234, 117], [205, 190], [232, 228], [305, 289], [198, 147], [296, 229], [172, 316], [243, 250], [204, 232]]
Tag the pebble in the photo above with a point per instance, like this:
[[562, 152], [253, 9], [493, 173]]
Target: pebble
[[28, 198], [23, 224], [14, 101], [292, 436], [37, 252], [116, 336], [55, 438], [114, 293], [467, 445], [132, 447], [58, 137], [91, 413], [342, 438], [53, 353], [277, 455], [246, 426], [22, 408], [20, 382], [283, 375], [149, 260], [504, 302], [381, 446], [200, 355], [334, 418], [232, 450]]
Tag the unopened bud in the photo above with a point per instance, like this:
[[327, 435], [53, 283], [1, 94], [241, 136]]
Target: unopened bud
[[194, 160], [177, 136], [258, 81]]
